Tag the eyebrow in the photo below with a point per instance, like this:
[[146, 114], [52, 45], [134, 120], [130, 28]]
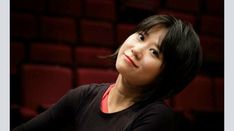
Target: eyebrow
[[155, 43]]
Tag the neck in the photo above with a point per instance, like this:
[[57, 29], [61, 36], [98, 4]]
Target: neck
[[122, 96], [125, 89]]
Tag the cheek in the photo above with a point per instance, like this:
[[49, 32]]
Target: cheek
[[119, 64], [128, 43], [125, 46], [152, 68]]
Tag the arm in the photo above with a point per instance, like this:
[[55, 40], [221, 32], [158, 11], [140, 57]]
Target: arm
[[59, 115]]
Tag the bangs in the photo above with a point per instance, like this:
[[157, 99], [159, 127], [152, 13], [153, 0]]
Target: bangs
[[152, 21]]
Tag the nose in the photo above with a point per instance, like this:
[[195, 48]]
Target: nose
[[137, 52]]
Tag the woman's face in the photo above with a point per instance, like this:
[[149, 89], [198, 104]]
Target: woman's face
[[139, 59]]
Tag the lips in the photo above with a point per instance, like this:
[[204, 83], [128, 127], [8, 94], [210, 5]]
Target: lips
[[130, 60]]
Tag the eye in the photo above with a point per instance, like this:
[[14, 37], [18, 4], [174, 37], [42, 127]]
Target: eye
[[154, 52], [141, 36]]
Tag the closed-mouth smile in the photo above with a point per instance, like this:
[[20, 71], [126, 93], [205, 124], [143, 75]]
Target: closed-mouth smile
[[131, 61]]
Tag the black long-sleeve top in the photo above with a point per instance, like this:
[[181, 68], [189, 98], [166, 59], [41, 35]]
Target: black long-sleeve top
[[79, 110]]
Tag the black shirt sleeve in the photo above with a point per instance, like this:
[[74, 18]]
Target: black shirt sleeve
[[59, 116]]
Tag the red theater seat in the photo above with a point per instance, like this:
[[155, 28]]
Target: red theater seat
[[89, 57], [97, 33], [212, 25], [50, 54], [92, 75], [44, 85], [215, 6], [65, 7], [100, 9], [150, 5], [213, 49], [181, 15], [197, 96], [58, 28], [191, 6]]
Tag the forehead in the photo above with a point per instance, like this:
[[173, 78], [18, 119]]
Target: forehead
[[161, 29], [157, 32]]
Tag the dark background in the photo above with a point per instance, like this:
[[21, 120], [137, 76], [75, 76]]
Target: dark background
[[54, 42]]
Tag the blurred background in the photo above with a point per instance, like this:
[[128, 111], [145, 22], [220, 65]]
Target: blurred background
[[55, 44]]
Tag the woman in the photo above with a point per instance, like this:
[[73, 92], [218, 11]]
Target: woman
[[154, 63]]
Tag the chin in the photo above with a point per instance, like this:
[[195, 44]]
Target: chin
[[120, 69]]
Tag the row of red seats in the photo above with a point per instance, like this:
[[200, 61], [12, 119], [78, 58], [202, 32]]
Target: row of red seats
[[62, 54], [203, 93], [46, 53], [43, 85], [94, 32], [200, 106], [110, 8], [195, 6]]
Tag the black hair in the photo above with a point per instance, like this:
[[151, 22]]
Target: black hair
[[182, 56]]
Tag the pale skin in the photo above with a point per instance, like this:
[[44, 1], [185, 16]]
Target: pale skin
[[139, 61]]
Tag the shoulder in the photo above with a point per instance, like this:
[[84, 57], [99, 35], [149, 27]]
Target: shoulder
[[160, 106], [88, 89], [159, 110], [75, 98], [91, 88], [155, 116]]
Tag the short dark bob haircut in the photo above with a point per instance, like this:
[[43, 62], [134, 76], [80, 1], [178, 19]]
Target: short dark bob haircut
[[182, 57]]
